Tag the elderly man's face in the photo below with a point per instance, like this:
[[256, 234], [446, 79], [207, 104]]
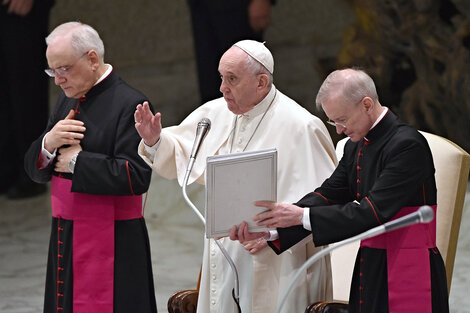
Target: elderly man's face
[[77, 76], [239, 85], [351, 119]]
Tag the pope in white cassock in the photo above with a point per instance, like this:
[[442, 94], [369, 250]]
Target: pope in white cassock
[[251, 115]]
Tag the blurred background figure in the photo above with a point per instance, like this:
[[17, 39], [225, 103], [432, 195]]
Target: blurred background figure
[[24, 94], [216, 26]]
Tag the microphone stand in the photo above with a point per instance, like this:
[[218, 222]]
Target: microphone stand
[[314, 258], [185, 194], [235, 291]]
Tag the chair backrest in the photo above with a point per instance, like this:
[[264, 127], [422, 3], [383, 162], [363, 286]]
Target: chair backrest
[[452, 165]]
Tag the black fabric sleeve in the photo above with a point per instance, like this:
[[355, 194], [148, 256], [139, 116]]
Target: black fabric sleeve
[[123, 172], [31, 163], [406, 171], [33, 154], [290, 236]]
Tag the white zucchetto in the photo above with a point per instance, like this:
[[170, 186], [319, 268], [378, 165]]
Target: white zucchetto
[[258, 51]]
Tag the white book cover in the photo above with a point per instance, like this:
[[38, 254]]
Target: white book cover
[[233, 183]]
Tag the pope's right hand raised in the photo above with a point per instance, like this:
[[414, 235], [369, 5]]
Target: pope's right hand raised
[[148, 126]]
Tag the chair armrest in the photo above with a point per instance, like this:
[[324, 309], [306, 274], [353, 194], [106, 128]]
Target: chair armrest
[[184, 301], [327, 307]]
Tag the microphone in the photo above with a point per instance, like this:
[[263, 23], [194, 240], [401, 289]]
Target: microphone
[[203, 128], [424, 214]]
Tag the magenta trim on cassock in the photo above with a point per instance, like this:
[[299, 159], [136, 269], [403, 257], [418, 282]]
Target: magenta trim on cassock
[[408, 268], [93, 219]]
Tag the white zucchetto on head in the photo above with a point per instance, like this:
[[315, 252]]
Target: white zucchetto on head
[[258, 51]]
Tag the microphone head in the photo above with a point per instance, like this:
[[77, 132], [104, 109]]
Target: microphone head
[[426, 214], [202, 129], [205, 122]]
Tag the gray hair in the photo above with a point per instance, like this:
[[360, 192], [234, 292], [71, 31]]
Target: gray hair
[[351, 84], [83, 38], [256, 68]]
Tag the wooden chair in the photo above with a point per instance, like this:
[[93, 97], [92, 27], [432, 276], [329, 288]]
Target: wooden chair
[[184, 301], [452, 165]]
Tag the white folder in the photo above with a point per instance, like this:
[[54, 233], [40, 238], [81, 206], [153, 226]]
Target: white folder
[[233, 183]]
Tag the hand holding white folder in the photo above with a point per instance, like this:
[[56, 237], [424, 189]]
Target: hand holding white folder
[[233, 183]]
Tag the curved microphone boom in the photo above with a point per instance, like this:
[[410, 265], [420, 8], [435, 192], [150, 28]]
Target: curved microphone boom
[[203, 128], [424, 214]]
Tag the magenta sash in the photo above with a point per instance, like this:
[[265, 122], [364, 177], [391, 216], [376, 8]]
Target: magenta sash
[[93, 241], [409, 272]]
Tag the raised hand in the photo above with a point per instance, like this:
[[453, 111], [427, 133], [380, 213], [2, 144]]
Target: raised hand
[[148, 126], [66, 132]]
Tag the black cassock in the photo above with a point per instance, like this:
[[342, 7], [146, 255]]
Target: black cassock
[[108, 166], [374, 180]]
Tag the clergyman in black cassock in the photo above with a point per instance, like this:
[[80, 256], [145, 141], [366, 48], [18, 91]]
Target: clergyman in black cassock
[[99, 253], [386, 171]]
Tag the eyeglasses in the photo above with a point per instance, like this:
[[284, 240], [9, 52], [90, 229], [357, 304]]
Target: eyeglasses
[[63, 70], [343, 125], [335, 124]]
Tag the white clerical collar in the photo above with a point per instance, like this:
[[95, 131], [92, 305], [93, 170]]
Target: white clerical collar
[[261, 107], [106, 74], [381, 116]]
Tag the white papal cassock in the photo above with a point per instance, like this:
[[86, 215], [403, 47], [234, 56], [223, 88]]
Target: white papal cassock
[[306, 157]]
